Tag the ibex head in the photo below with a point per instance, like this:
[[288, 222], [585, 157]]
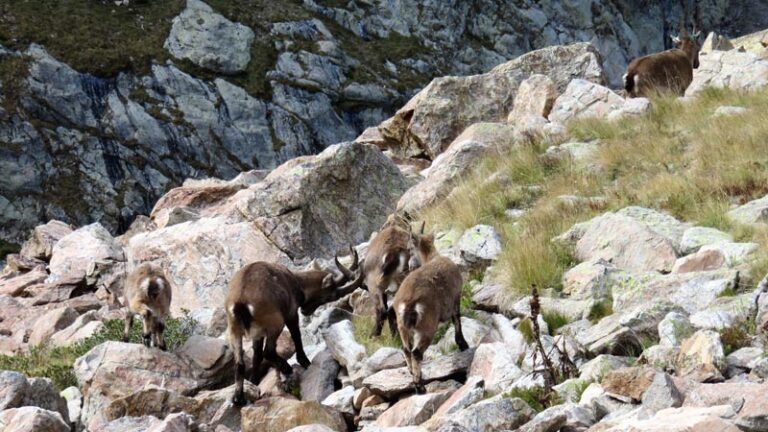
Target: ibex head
[[689, 43], [333, 287], [421, 246]]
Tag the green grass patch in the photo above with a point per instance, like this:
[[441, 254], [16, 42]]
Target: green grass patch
[[600, 309], [736, 337], [363, 325], [56, 362], [537, 397], [554, 320], [526, 328]]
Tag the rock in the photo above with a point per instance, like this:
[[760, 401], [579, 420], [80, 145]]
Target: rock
[[696, 237], [584, 98], [311, 428], [570, 389], [661, 394], [428, 123], [83, 327], [281, 414], [305, 217], [715, 419], [412, 410], [634, 107], [589, 280], [742, 360], [535, 97], [340, 340], [341, 400], [209, 40], [627, 243], [15, 286], [701, 357], [747, 400], [113, 370], [200, 257], [474, 332], [715, 42], [496, 413], [44, 237], [578, 152], [385, 358], [211, 357], [734, 253], [75, 252], [478, 244], [724, 111], [13, 388], [495, 363], [674, 328], [389, 383], [471, 392], [629, 382], [732, 69], [704, 260], [32, 419], [50, 323], [751, 213], [209, 321], [74, 399], [569, 416], [598, 367], [457, 161], [317, 382], [661, 357]]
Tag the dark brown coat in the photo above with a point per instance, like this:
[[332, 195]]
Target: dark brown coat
[[669, 71], [148, 294]]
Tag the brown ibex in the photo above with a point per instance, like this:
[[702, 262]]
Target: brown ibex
[[428, 296], [386, 264], [148, 294], [669, 71], [264, 297]]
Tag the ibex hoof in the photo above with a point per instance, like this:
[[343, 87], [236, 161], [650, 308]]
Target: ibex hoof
[[420, 389], [239, 399]]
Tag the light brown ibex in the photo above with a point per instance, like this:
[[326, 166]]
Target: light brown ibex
[[386, 264], [148, 294], [264, 297], [428, 296], [669, 71]]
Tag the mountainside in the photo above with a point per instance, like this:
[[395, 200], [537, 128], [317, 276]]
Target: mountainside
[[106, 105]]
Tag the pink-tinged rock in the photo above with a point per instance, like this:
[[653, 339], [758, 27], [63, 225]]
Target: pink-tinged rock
[[629, 382], [44, 237], [535, 96], [703, 260], [748, 400], [282, 414], [82, 248], [50, 323], [412, 410], [32, 419], [15, 286], [495, 363], [627, 243], [715, 419], [583, 99], [701, 357], [472, 391], [729, 69]]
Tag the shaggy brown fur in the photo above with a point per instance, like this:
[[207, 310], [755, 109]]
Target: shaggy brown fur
[[148, 294], [669, 71], [428, 296], [264, 297]]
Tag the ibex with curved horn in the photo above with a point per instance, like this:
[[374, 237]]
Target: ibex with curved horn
[[264, 297], [669, 71]]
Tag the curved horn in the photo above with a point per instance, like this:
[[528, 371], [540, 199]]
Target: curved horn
[[355, 258], [347, 273], [351, 286], [684, 19], [421, 231], [696, 20]]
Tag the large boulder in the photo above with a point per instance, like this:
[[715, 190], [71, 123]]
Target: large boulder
[[715, 419], [282, 414], [729, 69], [495, 363], [627, 243], [748, 400], [701, 357], [496, 413], [315, 206], [535, 97], [44, 237], [17, 391], [431, 120], [583, 99], [476, 142], [200, 257], [209, 40], [412, 410], [32, 419], [751, 213], [631, 382], [76, 252]]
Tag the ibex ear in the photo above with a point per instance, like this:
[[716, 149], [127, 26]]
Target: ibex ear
[[696, 35], [675, 39], [328, 282]]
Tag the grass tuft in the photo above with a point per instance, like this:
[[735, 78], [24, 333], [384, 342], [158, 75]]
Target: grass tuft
[[363, 325], [537, 397]]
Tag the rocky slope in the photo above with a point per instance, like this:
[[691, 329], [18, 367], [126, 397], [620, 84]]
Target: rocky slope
[[681, 349], [97, 132]]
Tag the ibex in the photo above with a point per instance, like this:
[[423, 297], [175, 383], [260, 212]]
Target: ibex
[[148, 294], [264, 297], [386, 263], [667, 71], [428, 296]]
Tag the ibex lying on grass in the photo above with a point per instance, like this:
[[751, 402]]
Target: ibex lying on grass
[[667, 71], [428, 296], [386, 263], [265, 297], [148, 294]]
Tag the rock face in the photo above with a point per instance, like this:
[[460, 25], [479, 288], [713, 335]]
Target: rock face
[[282, 414], [734, 69], [209, 40], [32, 419], [75, 252], [585, 99]]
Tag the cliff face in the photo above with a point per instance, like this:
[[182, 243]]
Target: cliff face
[[104, 111]]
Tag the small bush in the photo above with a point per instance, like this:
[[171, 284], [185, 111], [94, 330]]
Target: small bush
[[56, 362], [735, 337], [554, 320], [537, 398]]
